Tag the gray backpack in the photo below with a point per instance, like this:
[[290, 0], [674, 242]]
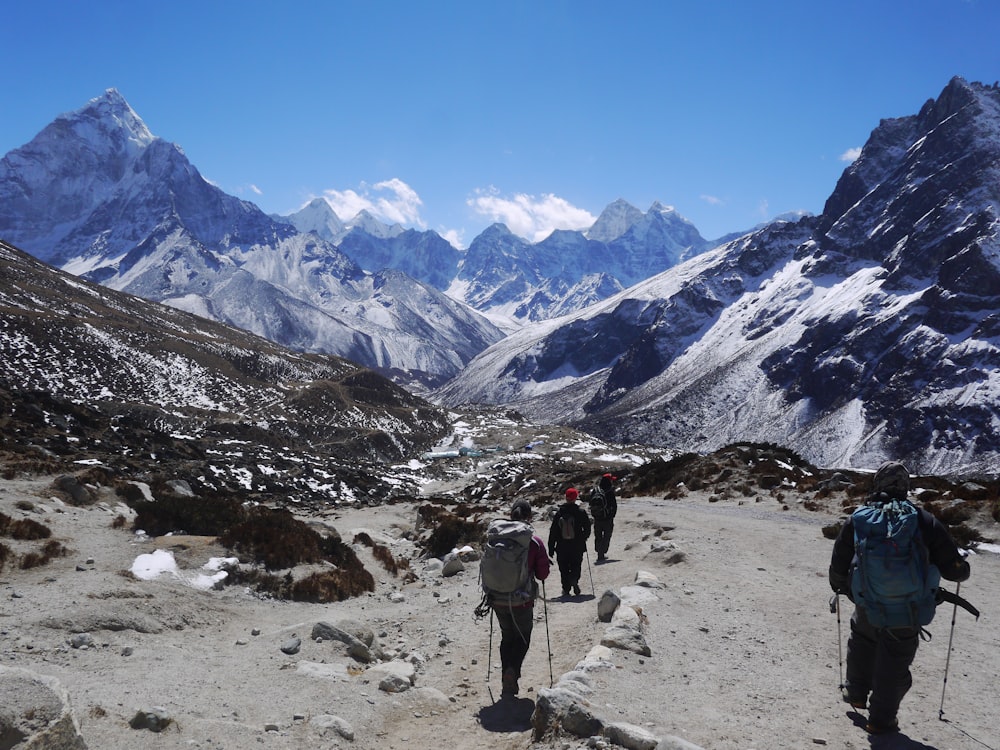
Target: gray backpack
[[503, 571]]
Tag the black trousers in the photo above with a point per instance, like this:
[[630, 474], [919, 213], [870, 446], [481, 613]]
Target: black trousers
[[602, 534], [570, 561], [878, 663], [515, 636]]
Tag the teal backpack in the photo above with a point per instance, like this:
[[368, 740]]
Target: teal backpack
[[893, 580]]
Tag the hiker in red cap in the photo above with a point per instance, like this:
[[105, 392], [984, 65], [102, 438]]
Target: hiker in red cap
[[603, 507], [568, 541]]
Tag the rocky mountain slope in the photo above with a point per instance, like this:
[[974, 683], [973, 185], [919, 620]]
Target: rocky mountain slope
[[137, 389], [867, 332], [96, 194]]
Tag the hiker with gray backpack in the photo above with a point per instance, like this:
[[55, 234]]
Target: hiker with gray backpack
[[513, 562], [889, 558]]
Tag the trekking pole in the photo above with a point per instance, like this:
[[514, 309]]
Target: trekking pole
[[489, 659], [947, 661], [548, 643], [835, 607], [593, 591]]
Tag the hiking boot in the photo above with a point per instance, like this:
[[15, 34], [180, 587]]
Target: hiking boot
[[858, 702], [509, 687], [565, 592], [873, 728], [576, 589], [601, 557]]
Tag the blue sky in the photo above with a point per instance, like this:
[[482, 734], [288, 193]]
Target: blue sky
[[452, 115]]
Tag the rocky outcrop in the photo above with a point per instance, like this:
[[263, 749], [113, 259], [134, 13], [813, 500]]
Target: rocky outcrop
[[35, 713]]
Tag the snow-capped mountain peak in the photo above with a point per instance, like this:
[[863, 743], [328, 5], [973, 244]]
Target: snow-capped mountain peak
[[866, 333], [614, 221], [95, 193]]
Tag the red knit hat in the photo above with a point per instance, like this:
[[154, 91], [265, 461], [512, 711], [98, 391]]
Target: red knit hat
[[572, 495]]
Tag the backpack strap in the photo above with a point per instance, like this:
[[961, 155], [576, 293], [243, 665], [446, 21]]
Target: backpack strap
[[953, 598]]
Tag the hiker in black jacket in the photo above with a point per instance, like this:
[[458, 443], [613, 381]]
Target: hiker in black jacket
[[603, 507], [568, 541], [879, 659]]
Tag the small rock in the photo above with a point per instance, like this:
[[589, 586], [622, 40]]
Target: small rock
[[394, 683], [452, 565], [81, 640], [337, 724], [291, 646], [155, 719]]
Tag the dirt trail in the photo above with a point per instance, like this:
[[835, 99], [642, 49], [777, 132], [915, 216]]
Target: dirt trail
[[744, 648]]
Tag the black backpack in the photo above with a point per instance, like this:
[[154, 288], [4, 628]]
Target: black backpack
[[599, 506]]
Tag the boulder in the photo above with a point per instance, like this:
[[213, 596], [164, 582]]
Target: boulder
[[35, 712]]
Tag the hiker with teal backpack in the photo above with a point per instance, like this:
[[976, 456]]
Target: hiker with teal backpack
[[513, 561], [603, 508], [888, 559], [568, 541]]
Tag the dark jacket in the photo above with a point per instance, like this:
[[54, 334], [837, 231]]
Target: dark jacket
[[581, 523], [941, 549]]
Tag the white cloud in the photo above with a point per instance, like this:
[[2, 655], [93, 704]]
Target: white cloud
[[454, 236], [391, 201], [712, 200], [851, 155], [531, 217], [256, 189]]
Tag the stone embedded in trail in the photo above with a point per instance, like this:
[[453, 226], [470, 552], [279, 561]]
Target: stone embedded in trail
[[452, 564], [626, 639], [155, 719], [393, 676], [325, 722], [647, 579], [607, 605], [393, 683], [291, 646], [558, 707], [358, 637], [630, 736]]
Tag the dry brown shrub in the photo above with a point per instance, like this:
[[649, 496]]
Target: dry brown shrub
[[6, 553], [44, 556], [169, 512], [965, 536], [332, 586], [274, 538], [24, 529], [448, 530]]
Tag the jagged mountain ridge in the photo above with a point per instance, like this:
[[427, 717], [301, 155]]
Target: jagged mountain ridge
[[511, 280], [95, 193], [135, 385], [870, 331]]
